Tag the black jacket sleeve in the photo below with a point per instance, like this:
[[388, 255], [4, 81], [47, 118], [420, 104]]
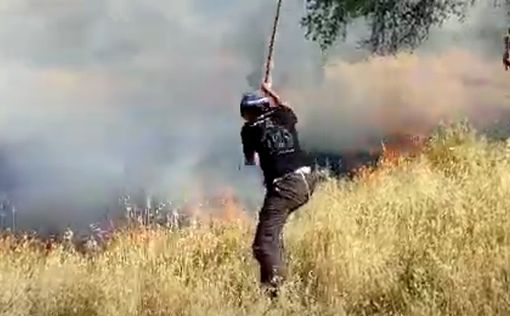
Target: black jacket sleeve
[[248, 142], [292, 116], [287, 116]]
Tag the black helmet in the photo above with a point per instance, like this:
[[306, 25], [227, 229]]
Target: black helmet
[[254, 102]]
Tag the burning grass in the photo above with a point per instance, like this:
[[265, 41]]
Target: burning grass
[[426, 236]]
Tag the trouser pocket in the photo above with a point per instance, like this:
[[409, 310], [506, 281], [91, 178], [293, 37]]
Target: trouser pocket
[[294, 187]]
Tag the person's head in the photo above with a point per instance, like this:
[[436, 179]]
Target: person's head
[[253, 105]]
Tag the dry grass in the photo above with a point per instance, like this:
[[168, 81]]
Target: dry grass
[[426, 237]]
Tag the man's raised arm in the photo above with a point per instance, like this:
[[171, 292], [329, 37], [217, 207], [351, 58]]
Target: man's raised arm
[[266, 88]]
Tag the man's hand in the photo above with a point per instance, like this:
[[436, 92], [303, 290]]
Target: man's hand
[[266, 88]]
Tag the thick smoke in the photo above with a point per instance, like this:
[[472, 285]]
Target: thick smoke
[[101, 97], [408, 94], [456, 74]]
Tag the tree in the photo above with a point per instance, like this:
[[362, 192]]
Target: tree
[[394, 24]]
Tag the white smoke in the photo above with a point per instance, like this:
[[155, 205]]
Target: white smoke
[[98, 95]]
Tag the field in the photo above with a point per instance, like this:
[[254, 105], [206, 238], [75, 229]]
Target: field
[[427, 236]]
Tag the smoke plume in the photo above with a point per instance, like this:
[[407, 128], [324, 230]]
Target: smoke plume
[[100, 97], [456, 74]]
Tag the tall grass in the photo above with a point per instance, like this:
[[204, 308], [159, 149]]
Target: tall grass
[[429, 236]]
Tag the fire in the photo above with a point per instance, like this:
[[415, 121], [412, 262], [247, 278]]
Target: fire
[[232, 209], [399, 145], [223, 206]]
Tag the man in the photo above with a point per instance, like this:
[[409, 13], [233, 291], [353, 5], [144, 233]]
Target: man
[[506, 53], [269, 133]]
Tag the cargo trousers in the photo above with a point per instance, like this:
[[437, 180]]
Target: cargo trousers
[[283, 196]]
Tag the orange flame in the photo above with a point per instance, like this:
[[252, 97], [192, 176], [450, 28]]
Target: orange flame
[[224, 207], [398, 145], [232, 209]]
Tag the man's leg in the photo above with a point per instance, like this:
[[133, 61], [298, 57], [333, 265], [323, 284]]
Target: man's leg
[[267, 244], [287, 195]]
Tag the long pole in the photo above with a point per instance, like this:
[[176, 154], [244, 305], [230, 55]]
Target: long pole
[[271, 43]]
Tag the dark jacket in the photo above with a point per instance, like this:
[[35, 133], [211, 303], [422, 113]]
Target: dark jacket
[[274, 137]]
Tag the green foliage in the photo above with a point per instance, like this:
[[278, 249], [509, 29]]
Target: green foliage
[[394, 24]]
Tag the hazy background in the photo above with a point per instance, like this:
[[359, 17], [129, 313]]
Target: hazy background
[[101, 96]]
